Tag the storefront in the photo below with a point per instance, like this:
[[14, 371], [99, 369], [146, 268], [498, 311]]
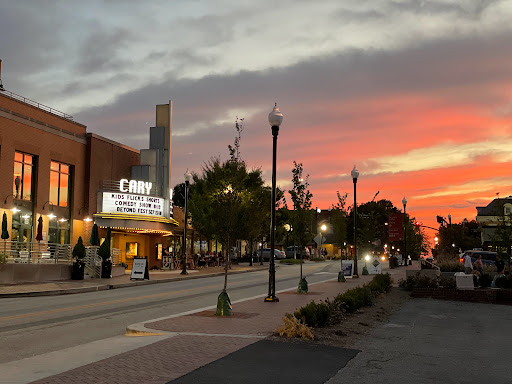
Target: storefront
[[136, 216]]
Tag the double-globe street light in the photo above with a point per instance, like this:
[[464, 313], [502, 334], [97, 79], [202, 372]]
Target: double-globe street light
[[355, 175], [188, 177], [275, 119]]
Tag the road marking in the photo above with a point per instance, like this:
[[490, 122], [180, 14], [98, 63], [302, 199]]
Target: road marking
[[118, 301]]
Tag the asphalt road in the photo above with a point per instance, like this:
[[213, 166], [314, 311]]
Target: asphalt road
[[31, 326]]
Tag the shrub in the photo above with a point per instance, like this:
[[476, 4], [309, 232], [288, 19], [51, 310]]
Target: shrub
[[293, 327], [504, 282], [380, 284], [314, 315], [419, 281], [447, 282], [450, 266], [291, 261], [79, 250], [365, 271], [354, 298], [317, 259], [485, 280]]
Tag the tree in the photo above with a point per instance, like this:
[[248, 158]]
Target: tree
[[178, 195], [339, 219], [302, 214]]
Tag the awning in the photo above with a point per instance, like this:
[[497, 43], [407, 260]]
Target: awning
[[136, 223]]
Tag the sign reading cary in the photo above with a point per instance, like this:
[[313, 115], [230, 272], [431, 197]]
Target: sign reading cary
[[135, 202]]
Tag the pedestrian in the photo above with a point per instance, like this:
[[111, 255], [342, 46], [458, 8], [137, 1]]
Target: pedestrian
[[468, 265], [500, 265], [479, 264]]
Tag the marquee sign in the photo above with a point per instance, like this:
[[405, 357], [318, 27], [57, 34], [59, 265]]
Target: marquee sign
[[133, 204]]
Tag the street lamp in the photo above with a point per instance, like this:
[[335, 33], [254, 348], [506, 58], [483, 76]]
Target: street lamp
[[287, 228], [188, 177], [323, 227], [404, 202], [355, 175], [274, 118]]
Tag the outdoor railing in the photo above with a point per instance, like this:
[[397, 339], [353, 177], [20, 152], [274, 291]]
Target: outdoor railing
[[15, 96], [32, 253], [50, 253]]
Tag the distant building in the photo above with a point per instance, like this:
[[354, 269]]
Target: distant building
[[489, 216]]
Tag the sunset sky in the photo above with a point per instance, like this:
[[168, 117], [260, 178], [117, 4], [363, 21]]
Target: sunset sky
[[416, 94]]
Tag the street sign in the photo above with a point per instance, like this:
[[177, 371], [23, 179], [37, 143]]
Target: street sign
[[375, 267], [319, 239], [347, 266], [395, 227]]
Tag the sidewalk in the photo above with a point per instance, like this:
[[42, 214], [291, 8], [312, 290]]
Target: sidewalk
[[89, 285], [201, 339]]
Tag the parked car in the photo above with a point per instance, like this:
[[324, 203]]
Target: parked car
[[266, 254], [295, 249], [488, 258]]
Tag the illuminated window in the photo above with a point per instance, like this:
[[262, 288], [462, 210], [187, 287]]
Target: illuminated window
[[23, 174], [59, 184]]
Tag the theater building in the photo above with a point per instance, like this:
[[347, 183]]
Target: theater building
[[52, 168]]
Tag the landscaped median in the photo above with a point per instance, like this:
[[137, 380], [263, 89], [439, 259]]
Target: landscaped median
[[327, 313]]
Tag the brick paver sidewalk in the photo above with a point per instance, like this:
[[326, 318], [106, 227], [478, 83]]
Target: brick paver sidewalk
[[200, 338]]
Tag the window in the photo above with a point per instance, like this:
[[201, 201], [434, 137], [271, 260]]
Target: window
[[59, 184], [23, 176], [507, 210]]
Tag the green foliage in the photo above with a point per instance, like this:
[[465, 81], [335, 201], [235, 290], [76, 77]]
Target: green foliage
[[178, 195], [463, 235], [301, 199], [3, 258], [291, 261], [227, 201], [104, 250], [419, 281], [485, 280], [354, 298], [365, 271], [504, 282], [341, 277], [339, 219], [303, 286], [317, 259], [450, 265], [380, 284], [224, 307], [79, 249], [314, 315], [447, 282]]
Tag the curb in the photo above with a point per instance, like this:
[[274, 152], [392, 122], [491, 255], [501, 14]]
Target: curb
[[104, 287]]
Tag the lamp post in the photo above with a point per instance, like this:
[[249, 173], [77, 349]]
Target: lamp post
[[274, 118], [187, 176], [355, 174], [287, 228], [404, 202]]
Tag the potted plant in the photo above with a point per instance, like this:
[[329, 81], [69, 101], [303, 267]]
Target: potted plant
[[104, 253], [78, 260]]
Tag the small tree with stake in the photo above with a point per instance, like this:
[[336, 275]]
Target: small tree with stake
[[78, 263]]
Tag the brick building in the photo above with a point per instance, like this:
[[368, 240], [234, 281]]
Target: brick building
[[52, 168]]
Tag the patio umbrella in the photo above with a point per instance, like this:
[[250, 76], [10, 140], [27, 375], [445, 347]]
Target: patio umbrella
[[95, 237], [5, 233], [39, 235]]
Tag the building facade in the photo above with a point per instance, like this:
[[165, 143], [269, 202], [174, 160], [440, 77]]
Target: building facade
[[53, 169]]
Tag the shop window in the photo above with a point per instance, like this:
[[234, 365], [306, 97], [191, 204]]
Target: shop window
[[23, 176], [59, 184]]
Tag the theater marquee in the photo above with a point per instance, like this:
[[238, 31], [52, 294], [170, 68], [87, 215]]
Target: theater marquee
[[133, 204]]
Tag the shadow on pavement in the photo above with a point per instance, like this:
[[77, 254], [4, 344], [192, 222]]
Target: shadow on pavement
[[270, 361]]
